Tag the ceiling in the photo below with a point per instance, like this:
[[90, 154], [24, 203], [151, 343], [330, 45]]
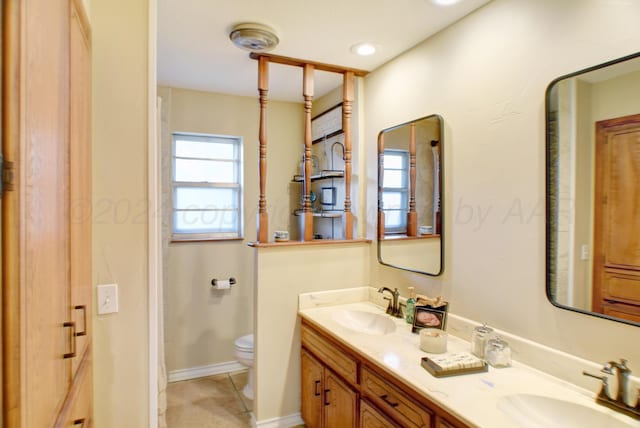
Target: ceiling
[[194, 50]]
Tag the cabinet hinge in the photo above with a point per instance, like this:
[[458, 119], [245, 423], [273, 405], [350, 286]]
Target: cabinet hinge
[[6, 175]]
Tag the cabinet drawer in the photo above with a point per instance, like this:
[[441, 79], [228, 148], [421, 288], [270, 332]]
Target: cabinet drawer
[[370, 417], [77, 410], [393, 401], [335, 359]]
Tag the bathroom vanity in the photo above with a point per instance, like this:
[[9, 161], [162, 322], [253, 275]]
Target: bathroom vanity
[[369, 389], [361, 368]]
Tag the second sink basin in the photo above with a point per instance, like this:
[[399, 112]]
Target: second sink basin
[[364, 322], [536, 411]]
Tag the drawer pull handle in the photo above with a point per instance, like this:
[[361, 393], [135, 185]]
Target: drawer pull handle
[[316, 392], [326, 396], [80, 422], [82, 308], [386, 400], [72, 337]]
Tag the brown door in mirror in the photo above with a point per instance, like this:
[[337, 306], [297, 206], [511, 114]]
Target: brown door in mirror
[[616, 290]]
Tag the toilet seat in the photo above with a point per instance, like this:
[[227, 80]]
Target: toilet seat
[[245, 343]]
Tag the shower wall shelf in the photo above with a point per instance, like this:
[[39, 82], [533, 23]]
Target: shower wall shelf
[[324, 174]]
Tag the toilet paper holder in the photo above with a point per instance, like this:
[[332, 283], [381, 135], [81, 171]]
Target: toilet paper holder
[[223, 284]]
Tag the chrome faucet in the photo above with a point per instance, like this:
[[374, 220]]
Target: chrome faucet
[[394, 306], [623, 401]]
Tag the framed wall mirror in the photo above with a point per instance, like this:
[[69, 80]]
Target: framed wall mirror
[[410, 196], [593, 190]]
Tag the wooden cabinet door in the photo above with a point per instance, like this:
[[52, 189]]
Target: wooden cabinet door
[[78, 409], [340, 402], [80, 176], [44, 218], [312, 390]]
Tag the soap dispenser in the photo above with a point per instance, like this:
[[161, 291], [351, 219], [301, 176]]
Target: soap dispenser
[[411, 306]]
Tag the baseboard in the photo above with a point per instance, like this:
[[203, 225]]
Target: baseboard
[[282, 422], [202, 371]]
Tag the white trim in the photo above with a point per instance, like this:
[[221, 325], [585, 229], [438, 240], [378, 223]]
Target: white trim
[[202, 371], [154, 264], [282, 422]]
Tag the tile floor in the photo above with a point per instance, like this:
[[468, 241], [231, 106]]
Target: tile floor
[[213, 401]]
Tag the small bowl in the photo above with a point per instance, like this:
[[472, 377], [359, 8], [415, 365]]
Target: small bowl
[[281, 235], [425, 230]]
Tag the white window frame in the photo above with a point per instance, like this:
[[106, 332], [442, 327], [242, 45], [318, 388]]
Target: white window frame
[[403, 190], [210, 234]]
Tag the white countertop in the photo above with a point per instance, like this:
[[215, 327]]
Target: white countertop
[[474, 398]]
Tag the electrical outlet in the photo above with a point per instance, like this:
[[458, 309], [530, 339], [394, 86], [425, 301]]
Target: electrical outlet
[[107, 298], [584, 252]]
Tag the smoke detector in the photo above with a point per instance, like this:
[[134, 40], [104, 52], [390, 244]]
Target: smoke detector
[[253, 37]]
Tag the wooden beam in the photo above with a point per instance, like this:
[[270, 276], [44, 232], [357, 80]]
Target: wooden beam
[[263, 88], [381, 230], [277, 59], [347, 108], [307, 92], [412, 215]]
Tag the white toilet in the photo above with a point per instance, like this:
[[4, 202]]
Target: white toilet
[[244, 355]]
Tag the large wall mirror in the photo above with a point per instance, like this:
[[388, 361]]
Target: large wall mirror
[[410, 196], [593, 190]]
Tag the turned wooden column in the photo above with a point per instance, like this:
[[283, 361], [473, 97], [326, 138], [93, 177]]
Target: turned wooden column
[[347, 107], [306, 232], [263, 88], [412, 215], [380, 186]]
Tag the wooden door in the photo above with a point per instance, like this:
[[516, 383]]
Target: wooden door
[[36, 302], [80, 176], [617, 218], [312, 390], [340, 402]]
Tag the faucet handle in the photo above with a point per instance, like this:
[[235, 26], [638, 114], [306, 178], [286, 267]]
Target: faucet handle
[[604, 392]]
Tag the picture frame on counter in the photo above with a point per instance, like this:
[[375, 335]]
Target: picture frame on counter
[[430, 317]]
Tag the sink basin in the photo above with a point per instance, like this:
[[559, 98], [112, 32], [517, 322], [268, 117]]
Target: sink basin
[[536, 411], [364, 322]]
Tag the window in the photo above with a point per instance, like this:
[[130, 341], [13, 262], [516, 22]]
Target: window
[[207, 187], [395, 190]]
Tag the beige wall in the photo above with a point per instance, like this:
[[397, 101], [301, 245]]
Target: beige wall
[[120, 194], [285, 272], [202, 323], [486, 75]]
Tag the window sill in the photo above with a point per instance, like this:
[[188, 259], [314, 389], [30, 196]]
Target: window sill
[[210, 240], [308, 243]]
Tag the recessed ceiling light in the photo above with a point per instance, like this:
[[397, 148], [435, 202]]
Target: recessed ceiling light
[[445, 2], [253, 37], [363, 49]]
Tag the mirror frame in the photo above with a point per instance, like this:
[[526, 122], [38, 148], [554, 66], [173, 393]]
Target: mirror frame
[[551, 181], [441, 188]]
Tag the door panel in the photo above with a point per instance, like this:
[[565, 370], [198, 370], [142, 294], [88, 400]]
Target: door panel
[[339, 402], [44, 223], [80, 176], [312, 387]]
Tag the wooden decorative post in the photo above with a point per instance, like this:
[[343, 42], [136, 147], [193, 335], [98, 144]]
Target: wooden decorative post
[[263, 88], [307, 92], [347, 107], [380, 186], [412, 215]]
